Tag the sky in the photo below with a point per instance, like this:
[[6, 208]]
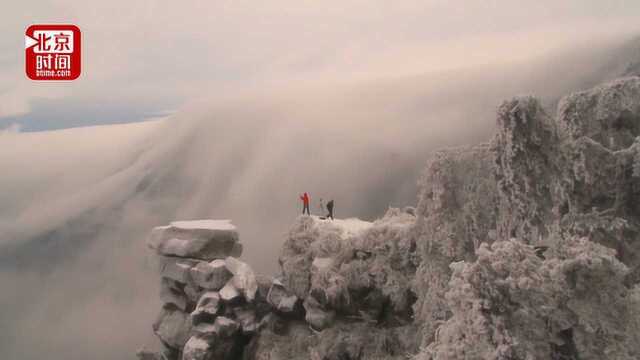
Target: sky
[[147, 59], [254, 102]]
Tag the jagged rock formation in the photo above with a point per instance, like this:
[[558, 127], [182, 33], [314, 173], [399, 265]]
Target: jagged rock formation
[[354, 281], [527, 247], [555, 202], [337, 276], [212, 305]]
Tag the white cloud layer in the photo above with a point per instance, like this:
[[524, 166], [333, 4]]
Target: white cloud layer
[[162, 51]]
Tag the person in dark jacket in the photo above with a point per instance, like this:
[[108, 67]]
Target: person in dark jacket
[[305, 203], [330, 209]]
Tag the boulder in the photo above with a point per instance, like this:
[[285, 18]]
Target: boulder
[[243, 277], [281, 299], [229, 293], [220, 329], [201, 239], [225, 327], [172, 327], [171, 293], [296, 271], [175, 268], [246, 318], [206, 309], [210, 275], [205, 331], [196, 349], [193, 292]]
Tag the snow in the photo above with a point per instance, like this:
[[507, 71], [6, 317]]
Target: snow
[[196, 343], [208, 224], [349, 227], [229, 292]]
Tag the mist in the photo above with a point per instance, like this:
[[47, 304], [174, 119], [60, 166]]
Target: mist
[[78, 203]]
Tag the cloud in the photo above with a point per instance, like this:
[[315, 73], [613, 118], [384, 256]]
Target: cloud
[[173, 52]]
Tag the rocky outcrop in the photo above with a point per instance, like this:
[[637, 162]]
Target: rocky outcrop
[[210, 297], [359, 277]]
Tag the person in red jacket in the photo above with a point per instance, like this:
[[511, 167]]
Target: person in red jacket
[[305, 203]]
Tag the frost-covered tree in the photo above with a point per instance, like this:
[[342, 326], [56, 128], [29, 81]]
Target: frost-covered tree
[[511, 304]]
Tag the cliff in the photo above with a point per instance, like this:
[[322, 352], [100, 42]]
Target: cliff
[[535, 234], [526, 247]]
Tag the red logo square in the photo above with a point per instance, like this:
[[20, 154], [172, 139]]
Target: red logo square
[[52, 52]]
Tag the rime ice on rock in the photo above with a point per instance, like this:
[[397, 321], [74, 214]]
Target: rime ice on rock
[[207, 308], [210, 276], [196, 349], [208, 295], [246, 318], [229, 293], [243, 277], [171, 293], [173, 327], [201, 239], [280, 298], [609, 114], [557, 180], [225, 327], [176, 269]]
